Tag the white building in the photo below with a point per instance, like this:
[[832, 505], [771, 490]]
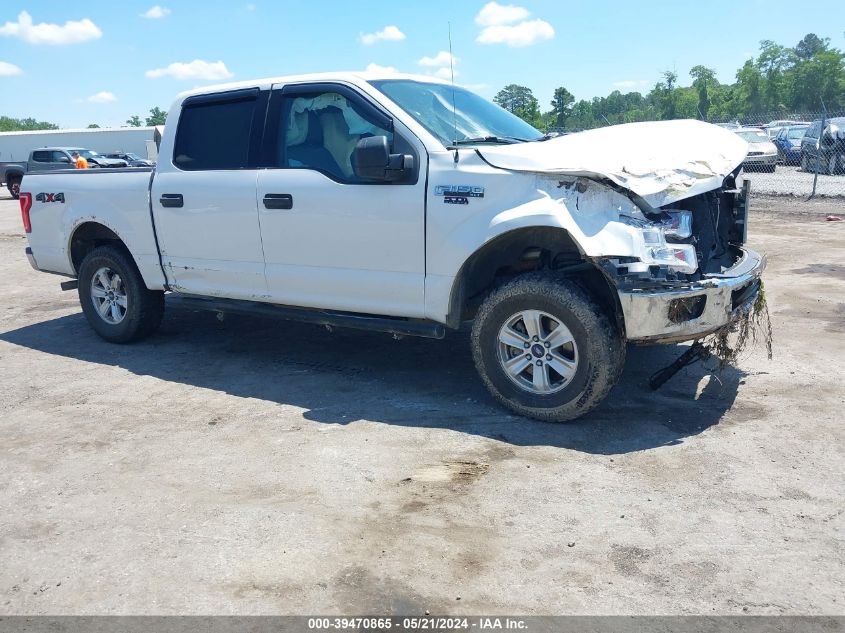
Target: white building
[[143, 141]]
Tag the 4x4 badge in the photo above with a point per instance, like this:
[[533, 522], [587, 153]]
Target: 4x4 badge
[[50, 197]]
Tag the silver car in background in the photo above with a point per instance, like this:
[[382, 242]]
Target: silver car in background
[[762, 153]]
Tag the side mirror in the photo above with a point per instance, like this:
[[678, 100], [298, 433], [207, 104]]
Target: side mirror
[[372, 160]]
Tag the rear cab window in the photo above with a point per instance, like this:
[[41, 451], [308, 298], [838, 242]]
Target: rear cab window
[[215, 131]]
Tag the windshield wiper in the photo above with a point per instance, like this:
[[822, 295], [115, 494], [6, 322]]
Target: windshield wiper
[[507, 140]]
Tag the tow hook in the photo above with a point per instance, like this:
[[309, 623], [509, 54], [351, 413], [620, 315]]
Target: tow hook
[[73, 284], [696, 352]]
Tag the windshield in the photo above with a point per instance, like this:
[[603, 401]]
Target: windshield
[[132, 156], [796, 133], [753, 136], [474, 117]]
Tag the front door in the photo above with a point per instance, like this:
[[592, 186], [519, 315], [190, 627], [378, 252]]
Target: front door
[[203, 199], [330, 239]]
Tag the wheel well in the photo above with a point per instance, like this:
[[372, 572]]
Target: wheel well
[[87, 237], [521, 251]]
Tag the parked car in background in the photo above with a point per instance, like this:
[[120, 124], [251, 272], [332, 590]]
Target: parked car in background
[[823, 149], [95, 159], [788, 142], [762, 153], [51, 159], [133, 160], [773, 128]]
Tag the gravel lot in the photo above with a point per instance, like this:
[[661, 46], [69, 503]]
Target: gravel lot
[[254, 466], [791, 181]]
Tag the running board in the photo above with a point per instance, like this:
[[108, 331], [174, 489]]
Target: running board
[[328, 318]]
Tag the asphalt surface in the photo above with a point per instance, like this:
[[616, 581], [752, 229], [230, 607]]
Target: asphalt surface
[[262, 467]]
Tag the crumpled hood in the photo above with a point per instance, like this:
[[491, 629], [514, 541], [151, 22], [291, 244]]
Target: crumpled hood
[[661, 161]]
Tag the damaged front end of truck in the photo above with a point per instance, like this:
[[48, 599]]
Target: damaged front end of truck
[[674, 223]]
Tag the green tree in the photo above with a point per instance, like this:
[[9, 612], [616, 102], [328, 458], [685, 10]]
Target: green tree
[[520, 101], [134, 121], [703, 81], [562, 103], [810, 45], [92, 126], [664, 97], [9, 124], [157, 116]]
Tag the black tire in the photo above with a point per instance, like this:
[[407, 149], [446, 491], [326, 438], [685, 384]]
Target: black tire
[[600, 346], [14, 186], [144, 308], [805, 163]]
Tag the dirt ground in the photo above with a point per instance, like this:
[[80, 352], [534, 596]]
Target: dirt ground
[[252, 466]]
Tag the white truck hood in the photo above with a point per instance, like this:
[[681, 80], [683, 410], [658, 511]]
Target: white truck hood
[[661, 161]]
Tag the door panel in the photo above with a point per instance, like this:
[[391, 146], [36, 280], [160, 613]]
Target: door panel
[[331, 240], [212, 244], [345, 247]]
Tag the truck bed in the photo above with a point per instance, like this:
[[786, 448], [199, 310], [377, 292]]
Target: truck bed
[[115, 198]]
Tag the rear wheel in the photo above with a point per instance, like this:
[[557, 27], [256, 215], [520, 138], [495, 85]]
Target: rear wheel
[[14, 186], [545, 349], [114, 298], [805, 163]]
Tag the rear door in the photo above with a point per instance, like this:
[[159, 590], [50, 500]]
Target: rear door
[[203, 197], [330, 239]]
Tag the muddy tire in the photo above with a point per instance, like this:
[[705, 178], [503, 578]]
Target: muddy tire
[[545, 349], [14, 187], [114, 298]]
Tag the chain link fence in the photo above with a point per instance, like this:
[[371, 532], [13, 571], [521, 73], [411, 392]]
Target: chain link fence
[[795, 154]]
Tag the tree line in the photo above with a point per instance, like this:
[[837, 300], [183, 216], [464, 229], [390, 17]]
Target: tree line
[[780, 80], [9, 124]]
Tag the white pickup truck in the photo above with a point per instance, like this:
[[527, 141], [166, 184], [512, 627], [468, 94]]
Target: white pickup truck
[[404, 204]]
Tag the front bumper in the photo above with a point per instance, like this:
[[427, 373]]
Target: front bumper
[[673, 315], [761, 159]]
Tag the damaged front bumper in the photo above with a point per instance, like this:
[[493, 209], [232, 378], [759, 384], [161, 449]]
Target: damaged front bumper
[[678, 314]]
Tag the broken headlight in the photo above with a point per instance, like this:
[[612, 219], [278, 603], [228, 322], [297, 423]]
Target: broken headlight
[[679, 224], [657, 252]]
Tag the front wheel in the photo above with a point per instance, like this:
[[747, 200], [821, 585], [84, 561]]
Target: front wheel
[[114, 298], [545, 349]]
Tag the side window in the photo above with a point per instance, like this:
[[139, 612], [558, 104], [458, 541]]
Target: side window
[[214, 135], [320, 130], [41, 156], [59, 157]]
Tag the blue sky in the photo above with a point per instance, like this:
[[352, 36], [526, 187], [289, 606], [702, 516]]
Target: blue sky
[[100, 62]]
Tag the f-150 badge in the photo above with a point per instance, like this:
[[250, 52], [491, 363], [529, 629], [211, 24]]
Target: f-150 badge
[[458, 194]]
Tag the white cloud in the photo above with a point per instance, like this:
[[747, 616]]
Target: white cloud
[[71, 32], [443, 58], [9, 70], [493, 14], [102, 97], [517, 35], [388, 34], [156, 12], [197, 69], [630, 83], [375, 68]]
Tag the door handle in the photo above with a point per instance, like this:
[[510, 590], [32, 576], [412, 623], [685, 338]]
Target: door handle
[[171, 200], [278, 201]]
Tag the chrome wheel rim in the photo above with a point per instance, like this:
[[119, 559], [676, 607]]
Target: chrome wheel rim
[[537, 352], [108, 295]]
